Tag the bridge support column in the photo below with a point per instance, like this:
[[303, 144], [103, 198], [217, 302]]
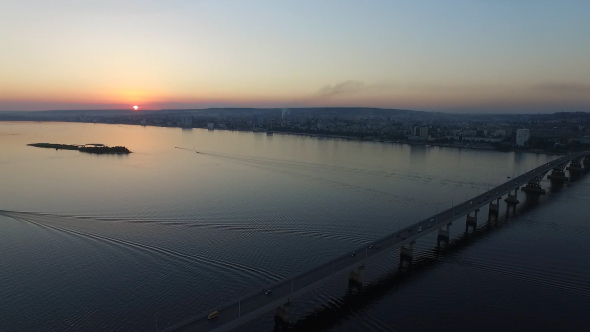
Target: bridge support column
[[282, 315], [443, 235], [575, 169], [494, 208], [587, 162], [557, 178], [355, 277], [533, 190], [406, 254], [512, 199], [471, 221]]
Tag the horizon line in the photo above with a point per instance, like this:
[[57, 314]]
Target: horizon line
[[276, 108]]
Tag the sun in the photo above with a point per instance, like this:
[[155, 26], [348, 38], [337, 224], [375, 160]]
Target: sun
[[135, 108]]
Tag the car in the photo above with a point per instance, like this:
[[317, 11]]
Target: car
[[213, 315], [429, 225], [370, 246], [419, 229], [496, 193], [471, 203], [353, 254], [410, 229], [268, 292], [431, 220]]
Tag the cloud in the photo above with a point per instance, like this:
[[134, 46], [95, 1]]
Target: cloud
[[563, 87], [344, 88]]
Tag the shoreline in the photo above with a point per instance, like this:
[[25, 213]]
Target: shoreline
[[425, 144], [351, 138]]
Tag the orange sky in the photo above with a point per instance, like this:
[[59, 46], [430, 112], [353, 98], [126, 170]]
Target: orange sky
[[484, 56]]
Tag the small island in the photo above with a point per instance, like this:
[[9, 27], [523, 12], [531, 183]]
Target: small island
[[88, 148]]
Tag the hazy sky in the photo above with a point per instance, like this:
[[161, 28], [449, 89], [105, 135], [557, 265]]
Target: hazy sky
[[443, 55]]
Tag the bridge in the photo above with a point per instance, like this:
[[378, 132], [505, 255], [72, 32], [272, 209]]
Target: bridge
[[278, 296]]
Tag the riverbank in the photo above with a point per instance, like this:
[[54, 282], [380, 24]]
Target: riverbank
[[420, 143], [459, 145]]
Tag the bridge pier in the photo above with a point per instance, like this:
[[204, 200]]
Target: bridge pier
[[494, 209], [512, 199], [587, 162], [575, 169], [510, 210], [406, 254], [355, 277], [533, 190], [282, 315], [557, 177], [471, 221], [443, 236]]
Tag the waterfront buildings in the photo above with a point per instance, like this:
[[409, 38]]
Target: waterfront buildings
[[522, 137]]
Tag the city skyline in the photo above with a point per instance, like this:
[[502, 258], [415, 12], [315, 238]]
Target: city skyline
[[460, 56]]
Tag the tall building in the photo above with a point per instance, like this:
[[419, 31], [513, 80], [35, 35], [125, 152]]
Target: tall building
[[415, 131], [522, 137], [187, 122], [421, 131], [424, 132]]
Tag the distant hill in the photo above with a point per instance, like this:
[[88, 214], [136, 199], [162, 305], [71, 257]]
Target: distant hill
[[321, 112]]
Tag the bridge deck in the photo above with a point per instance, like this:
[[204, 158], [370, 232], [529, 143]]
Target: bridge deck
[[248, 307]]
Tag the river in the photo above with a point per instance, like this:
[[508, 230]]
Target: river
[[194, 218]]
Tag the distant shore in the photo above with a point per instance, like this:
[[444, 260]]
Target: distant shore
[[462, 145], [88, 148], [416, 143]]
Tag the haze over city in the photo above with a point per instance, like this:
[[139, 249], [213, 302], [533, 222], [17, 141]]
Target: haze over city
[[450, 56]]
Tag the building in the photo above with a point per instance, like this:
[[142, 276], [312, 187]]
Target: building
[[420, 131], [469, 133], [187, 122], [210, 125], [522, 137], [424, 132], [503, 133]]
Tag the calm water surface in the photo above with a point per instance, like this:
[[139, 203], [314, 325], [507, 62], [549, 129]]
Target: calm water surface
[[135, 242]]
